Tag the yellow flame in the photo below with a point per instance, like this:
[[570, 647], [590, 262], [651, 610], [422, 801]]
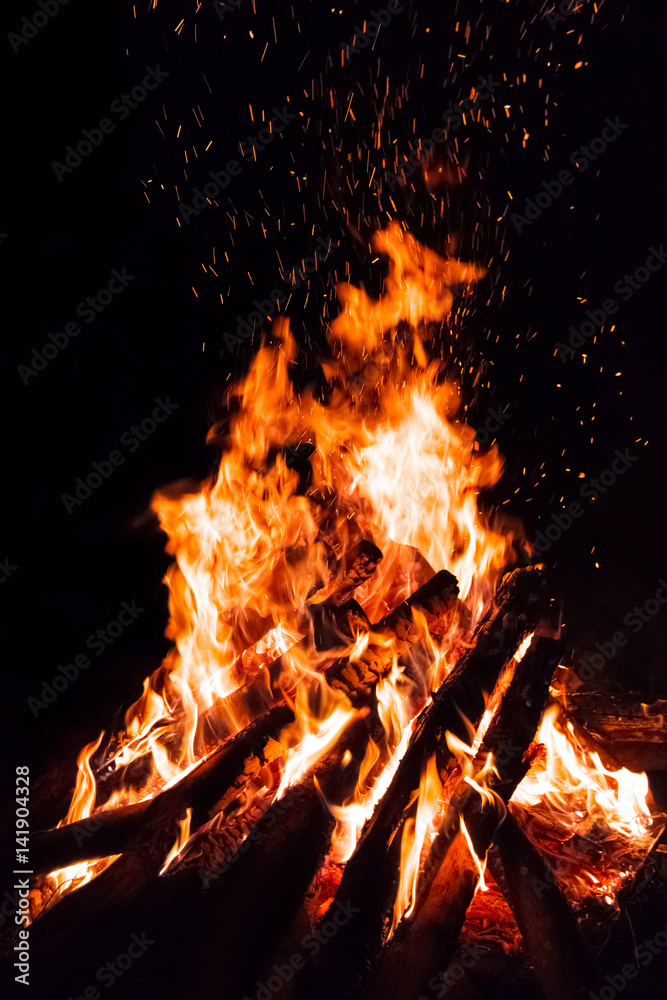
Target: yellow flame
[[415, 831], [181, 840], [480, 865], [390, 463]]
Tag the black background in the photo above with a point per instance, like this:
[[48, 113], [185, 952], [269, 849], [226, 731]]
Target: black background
[[163, 336]]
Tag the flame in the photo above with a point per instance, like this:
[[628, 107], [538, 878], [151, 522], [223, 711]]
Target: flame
[[312, 735], [250, 549], [434, 796], [568, 793], [382, 457], [64, 880], [83, 798], [415, 832], [181, 840], [480, 865]]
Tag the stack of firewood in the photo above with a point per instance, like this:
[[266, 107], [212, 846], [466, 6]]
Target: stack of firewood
[[254, 883]]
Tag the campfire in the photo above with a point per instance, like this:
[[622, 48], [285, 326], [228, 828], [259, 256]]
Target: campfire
[[365, 768]]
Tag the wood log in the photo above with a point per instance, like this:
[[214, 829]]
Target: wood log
[[626, 733], [52, 790], [401, 628], [287, 848], [109, 832], [122, 880], [240, 910], [561, 958], [351, 571], [425, 942], [338, 625], [628, 935], [132, 893], [331, 626], [370, 877], [355, 567]]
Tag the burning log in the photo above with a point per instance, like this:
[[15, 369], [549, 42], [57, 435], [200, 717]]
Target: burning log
[[631, 933], [122, 880], [429, 608], [352, 570], [370, 877], [272, 868], [54, 788], [425, 942], [332, 626], [246, 753], [355, 568], [624, 732], [393, 636], [287, 848], [559, 954]]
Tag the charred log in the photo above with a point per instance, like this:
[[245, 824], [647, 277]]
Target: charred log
[[370, 878], [424, 943], [287, 848], [626, 733], [109, 832], [561, 958]]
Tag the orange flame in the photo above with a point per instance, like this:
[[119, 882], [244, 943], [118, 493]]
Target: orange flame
[[181, 840], [416, 830], [65, 880], [389, 462], [569, 793]]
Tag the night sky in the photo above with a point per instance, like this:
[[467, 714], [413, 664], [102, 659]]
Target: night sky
[[175, 279]]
